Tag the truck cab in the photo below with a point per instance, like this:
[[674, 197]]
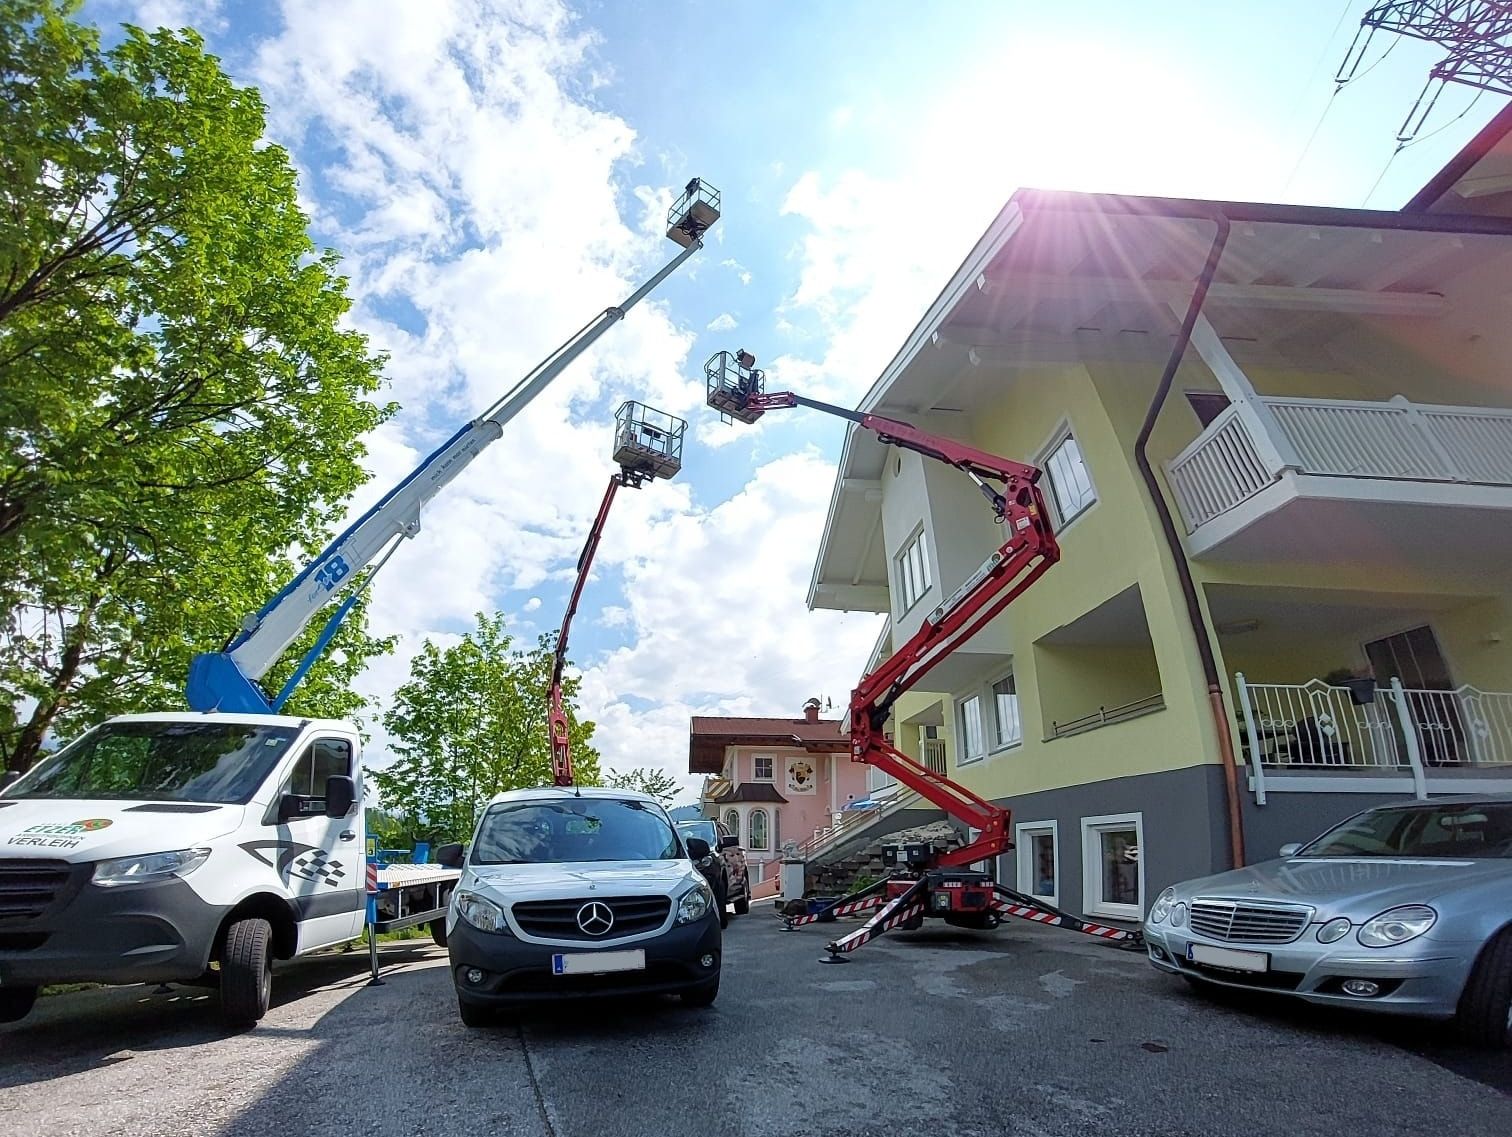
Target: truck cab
[[189, 848]]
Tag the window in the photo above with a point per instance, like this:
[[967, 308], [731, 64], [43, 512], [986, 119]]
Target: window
[[1071, 491], [971, 729], [1207, 405], [1038, 860], [761, 767], [325, 758], [1005, 709], [732, 821], [1112, 865], [913, 572], [758, 841]]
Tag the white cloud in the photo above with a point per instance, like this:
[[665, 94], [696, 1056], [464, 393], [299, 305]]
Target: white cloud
[[724, 322], [532, 604], [740, 270], [201, 14]]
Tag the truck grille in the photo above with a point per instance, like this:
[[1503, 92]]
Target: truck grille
[[558, 919], [28, 887], [1249, 923]]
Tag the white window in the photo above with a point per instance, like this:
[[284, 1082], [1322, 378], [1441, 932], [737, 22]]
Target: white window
[[1038, 848], [759, 834], [761, 768], [913, 572], [1005, 709], [1112, 865], [732, 821], [972, 738], [1071, 491]]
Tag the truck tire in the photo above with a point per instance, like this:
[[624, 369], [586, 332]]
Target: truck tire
[[16, 1003], [1485, 1007], [743, 902], [722, 903], [438, 932], [702, 995], [247, 972], [473, 1015]]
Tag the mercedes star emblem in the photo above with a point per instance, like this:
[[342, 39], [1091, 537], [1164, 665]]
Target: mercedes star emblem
[[595, 919]]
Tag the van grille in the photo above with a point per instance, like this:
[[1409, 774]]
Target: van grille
[[1248, 923], [28, 887], [558, 919]]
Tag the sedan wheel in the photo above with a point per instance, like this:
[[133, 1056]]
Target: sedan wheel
[[1485, 1006]]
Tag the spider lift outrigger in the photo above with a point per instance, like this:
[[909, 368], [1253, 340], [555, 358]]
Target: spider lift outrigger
[[647, 445], [929, 881]]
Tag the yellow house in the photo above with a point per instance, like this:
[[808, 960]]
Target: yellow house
[[1277, 447]]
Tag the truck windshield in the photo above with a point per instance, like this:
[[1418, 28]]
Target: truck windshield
[[574, 829], [161, 761]]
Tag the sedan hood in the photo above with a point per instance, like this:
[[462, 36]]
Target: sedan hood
[[1337, 883]]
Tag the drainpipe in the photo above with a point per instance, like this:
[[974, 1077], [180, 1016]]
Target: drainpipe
[[1178, 553]]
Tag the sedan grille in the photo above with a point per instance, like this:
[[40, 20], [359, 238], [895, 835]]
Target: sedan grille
[[1249, 923], [28, 887], [558, 919]]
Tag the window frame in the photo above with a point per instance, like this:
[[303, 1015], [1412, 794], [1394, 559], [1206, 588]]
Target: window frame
[[1058, 438], [901, 565], [317, 793], [998, 743], [1092, 829], [733, 814], [766, 844], [965, 756], [1023, 839], [771, 774]]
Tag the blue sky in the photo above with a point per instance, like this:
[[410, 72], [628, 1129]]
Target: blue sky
[[495, 174]]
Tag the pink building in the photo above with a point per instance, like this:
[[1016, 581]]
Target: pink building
[[774, 781]]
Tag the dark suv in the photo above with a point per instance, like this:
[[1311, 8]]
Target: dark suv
[[725, 868]]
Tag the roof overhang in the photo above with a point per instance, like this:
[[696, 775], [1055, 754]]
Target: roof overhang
[[1476, 180]]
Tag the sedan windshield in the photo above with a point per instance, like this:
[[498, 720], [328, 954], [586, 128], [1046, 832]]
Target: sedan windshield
[[205, 761], [1474, 830], [574, 829]]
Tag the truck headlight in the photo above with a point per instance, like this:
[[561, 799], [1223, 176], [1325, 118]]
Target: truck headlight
[[1397, 925], [482, 914], [149, 867], [1162, 906], [695, 904]]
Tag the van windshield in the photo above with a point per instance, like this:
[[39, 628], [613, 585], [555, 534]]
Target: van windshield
[[161, 761], [574, 829]]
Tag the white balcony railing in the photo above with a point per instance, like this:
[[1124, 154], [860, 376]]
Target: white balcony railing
[[1235, 457], [850, 822], [1317, 726]]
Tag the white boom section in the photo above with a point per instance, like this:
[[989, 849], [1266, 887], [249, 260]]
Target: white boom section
[[268, 634]]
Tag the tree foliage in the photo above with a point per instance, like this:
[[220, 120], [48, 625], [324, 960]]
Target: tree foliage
[[470, 722], [658, 783], [180, 405]]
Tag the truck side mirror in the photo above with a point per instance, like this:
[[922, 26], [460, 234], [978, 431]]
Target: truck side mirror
[[729, 841], [340, 795], [450, 856], [698, 848]]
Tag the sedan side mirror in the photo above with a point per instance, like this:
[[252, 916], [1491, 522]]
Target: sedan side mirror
[[698, 848], [729, 842], [451, 856], [1291, 849], [340, 795]]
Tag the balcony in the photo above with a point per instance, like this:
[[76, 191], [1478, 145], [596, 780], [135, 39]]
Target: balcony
[[1336, 481]]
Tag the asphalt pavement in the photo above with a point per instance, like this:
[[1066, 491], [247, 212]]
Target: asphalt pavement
[[1024, 1030]]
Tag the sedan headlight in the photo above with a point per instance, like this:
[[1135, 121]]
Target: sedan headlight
[[1397, 925], [150, 867], [482, 914], [695, 903], [1162, 906]]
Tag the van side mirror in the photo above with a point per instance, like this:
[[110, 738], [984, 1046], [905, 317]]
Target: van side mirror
[[8, 777], [698, 848], [1292, 849], [450, 856], [729, 842], [340, 795]]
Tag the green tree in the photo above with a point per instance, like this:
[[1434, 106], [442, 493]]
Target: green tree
[[471, 722], [658, 783], [180, 405]]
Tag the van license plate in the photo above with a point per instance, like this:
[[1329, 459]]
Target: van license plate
[[594, 963], [1228, 957]]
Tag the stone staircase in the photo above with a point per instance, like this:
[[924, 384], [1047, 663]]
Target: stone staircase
[[838, 875]]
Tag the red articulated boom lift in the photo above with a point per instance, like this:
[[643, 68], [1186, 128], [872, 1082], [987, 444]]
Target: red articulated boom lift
[[647, 445], [929, 882]]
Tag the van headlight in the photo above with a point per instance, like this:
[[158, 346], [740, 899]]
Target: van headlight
[[482, 914], [149, 867], [695, 903], [1397, 925]]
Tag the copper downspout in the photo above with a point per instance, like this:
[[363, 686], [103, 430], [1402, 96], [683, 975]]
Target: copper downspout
[[1178, 553]]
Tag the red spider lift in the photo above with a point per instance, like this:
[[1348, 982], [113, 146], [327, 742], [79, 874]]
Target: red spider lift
[[647, 445], [926, 881]]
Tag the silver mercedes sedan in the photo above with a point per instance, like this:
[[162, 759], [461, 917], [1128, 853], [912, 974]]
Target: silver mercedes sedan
[[1403, 909]]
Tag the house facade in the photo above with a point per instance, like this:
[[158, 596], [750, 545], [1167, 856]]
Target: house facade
[[1285, 589], [774, 781]]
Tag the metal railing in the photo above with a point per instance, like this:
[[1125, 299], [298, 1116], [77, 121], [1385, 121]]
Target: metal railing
[[1314, 725], [854, 821], [1107, 716], [932, 754], [1236, 456]]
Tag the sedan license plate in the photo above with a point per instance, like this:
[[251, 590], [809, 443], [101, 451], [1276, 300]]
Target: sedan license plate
[[598, 962], [1228, 957]]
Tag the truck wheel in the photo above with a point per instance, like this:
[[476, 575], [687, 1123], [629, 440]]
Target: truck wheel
[[474, 1015], [722, 903], [16, 1003], [1485, 1006], [703, 995], [247, 972], [743, 903], [438, 932]]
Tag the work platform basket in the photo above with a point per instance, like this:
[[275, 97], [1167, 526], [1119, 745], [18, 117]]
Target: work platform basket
[[732, 379], [648, 441], [693, 212]]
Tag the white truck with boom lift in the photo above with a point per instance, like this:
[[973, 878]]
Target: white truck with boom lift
[[199, 846]]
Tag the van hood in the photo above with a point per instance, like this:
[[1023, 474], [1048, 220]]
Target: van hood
[[574, 879], [79, 830]]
